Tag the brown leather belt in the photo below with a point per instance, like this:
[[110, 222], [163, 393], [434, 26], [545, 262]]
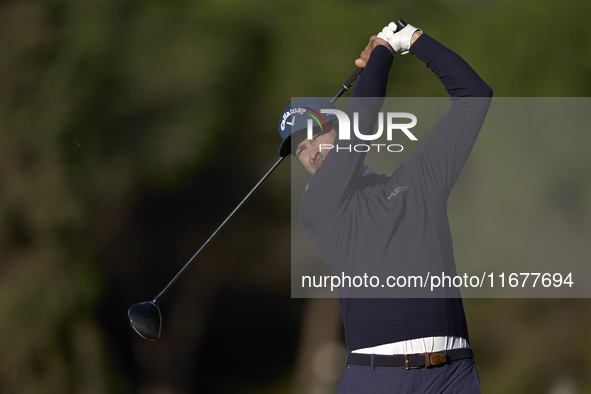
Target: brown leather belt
[[411, 361]]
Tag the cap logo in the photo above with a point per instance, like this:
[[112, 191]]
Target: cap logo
[[293, 111], [318, 121], [287, 114]]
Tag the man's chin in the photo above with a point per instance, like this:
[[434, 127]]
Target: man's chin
[[319, 164]]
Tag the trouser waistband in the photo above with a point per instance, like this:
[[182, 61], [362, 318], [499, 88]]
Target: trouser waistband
[[410, 361]]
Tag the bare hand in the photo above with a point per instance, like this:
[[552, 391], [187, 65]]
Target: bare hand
[[374, 41], [416, 35]]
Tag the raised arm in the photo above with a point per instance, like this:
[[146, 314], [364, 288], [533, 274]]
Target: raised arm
[[442, 157], [331, 185]]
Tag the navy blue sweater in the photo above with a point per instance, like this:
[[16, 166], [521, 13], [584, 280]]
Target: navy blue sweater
[[356, 227]]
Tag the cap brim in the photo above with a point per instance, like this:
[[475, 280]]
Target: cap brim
[[285, 148]]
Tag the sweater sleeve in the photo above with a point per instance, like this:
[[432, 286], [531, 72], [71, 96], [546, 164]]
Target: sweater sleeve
[[442, 157], [330, 187]]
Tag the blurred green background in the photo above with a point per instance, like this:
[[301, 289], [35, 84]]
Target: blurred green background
[[130, 129]]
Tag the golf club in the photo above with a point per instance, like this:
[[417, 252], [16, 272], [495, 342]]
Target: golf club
[[145, 317]]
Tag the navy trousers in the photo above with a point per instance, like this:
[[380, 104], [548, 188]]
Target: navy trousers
[[457, 377]]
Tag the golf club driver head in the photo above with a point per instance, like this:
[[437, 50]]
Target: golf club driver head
[[146, 320]]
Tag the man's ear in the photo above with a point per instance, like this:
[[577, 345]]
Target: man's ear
[[296, 139]]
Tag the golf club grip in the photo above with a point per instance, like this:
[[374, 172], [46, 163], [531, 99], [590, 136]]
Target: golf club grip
[[400, 24], [353, 78]]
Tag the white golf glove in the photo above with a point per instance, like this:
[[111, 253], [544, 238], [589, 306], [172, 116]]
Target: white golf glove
[[399, 41]]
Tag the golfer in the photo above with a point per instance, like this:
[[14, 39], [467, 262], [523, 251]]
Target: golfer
[[354, 216]]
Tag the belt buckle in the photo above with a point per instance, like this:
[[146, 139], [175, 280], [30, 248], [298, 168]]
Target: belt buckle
[[407, 363], [431, 360]]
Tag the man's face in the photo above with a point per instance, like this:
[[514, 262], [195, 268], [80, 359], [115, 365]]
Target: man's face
[[308, 151]]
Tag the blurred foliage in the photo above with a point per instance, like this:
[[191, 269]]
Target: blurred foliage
[[129, 129]]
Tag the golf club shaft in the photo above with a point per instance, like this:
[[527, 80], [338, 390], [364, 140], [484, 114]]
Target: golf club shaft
[[346, 86], [221, 226]]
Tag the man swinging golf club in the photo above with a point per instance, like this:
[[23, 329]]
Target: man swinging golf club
[[353, 215]]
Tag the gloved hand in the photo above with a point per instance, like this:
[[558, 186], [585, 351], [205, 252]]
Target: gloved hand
[[398, 40]]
